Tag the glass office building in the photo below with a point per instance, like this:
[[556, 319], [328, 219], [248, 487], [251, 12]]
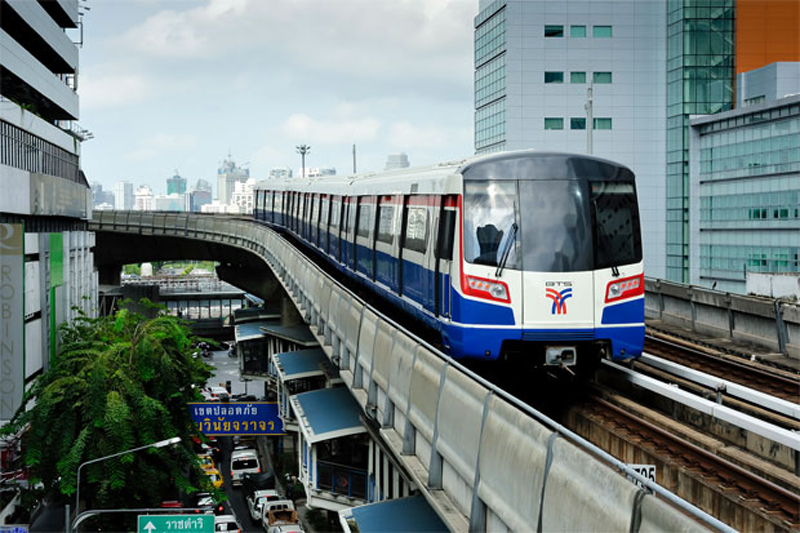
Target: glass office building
[[746, 213], [700, 80]]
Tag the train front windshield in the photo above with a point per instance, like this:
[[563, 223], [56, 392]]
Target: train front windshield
[[551, 225]]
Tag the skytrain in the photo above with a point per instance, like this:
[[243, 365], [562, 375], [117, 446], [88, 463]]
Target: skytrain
[[531, 257]]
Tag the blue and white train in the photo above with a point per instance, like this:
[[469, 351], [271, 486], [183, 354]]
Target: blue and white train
[[525, 256]]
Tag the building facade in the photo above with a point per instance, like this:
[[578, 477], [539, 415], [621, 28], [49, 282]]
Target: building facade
[[243, 196], [144, 200], [45, 200], [396, 161], [176, 184], [651, 66], [228, 174], [280, 173], [745, 179], [123, 196], [535, 61]]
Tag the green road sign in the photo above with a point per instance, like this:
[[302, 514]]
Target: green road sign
[[167, 523]]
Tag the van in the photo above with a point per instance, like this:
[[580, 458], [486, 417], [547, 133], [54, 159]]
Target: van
[[243, 462]]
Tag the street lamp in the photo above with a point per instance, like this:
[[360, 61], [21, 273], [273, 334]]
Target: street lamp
[[303, 149], [159, 444]]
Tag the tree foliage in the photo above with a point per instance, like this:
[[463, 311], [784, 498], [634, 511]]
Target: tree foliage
[[118, 382]]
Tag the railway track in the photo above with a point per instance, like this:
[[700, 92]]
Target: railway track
[[769, 380], [701, 476]]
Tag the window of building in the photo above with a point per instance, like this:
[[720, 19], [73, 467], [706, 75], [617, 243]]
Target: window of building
[[554, 77], [753, 101], [602, 123], [602, 32], [553, 123], [577, 123], [577, 31], [577, 77], [601, 77], [553, 30]]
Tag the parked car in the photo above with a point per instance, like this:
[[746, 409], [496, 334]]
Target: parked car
[[256, 501], [206, 461], [243, 462], [227, 522], [205, 499]]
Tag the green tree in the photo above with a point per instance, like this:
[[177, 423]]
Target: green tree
[[134, 268], [118, 382]]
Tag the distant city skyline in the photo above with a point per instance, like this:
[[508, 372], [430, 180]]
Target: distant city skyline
[[167, 85]]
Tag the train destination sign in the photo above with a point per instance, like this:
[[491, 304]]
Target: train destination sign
[[223, 419]]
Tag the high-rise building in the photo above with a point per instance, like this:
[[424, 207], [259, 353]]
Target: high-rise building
[[200, 196], [633, 74], [144, 199], [123, 196], [243, 195], [169, 202], [176, 184], [535, 64], [228, 174], [101, 196], [46, 255], [396, 161], [280, 173]]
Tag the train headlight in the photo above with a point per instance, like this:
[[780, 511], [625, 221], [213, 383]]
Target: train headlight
[[486, 288], [625, 288]]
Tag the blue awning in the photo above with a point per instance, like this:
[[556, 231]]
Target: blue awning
[[327, 414], [299, 334], [403, 514], [300, 364], [250, 330]]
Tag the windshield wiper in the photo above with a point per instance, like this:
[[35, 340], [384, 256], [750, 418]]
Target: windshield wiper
[[507, 250]]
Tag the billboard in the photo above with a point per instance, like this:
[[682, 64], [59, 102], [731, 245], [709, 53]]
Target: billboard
[[12, 318], [237, 418]]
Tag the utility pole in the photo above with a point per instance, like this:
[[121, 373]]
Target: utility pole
[[303, 149], [589, 119], [354, 158]]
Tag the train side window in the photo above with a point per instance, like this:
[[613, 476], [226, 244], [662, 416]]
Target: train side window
[[416, 235], [364, 217], [278, 203], [386, 220]]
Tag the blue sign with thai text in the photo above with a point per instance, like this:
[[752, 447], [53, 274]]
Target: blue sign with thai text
[[237, 418]]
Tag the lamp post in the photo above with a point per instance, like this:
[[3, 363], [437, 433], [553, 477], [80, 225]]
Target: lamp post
[[159, 444], [303, 149]]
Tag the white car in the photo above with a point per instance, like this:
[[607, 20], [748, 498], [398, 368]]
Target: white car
[[220, 393], [256, 501], [243, 462], [286, 528], [226, 522], [279, 513]]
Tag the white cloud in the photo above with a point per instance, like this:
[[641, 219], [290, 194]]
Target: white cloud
[[161, 144], [405, 136], [304, 128], [113, 90]]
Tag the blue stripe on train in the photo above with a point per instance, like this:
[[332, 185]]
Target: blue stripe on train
[[630, 312]]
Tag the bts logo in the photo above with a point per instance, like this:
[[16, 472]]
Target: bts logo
[[559, 297]]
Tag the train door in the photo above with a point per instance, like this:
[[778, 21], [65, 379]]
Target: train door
[[277, 208], [324, 238], [336, 217], [414, 278], [385, 241], [446, 224], [364, 238]]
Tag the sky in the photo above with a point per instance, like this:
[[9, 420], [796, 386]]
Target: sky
[[177, 85]]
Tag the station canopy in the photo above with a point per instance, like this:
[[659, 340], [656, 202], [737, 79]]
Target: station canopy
[[410, 514], [300, 364], [327, 414]]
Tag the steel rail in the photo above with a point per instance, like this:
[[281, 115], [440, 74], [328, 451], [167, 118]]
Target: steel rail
[[790, 409], [789, 500], [759, 427]]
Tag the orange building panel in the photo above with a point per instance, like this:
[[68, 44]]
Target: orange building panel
[[766, 31]]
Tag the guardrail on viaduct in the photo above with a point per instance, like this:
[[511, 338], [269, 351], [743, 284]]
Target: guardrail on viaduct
[[766, 323], [483, 460]]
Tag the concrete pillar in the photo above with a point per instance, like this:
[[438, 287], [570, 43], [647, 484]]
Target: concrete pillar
[[289, 314]]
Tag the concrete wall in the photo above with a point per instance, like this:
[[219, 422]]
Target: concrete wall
[[766, 324]]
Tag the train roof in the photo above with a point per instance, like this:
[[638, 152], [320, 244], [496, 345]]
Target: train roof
[[446, 177]]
